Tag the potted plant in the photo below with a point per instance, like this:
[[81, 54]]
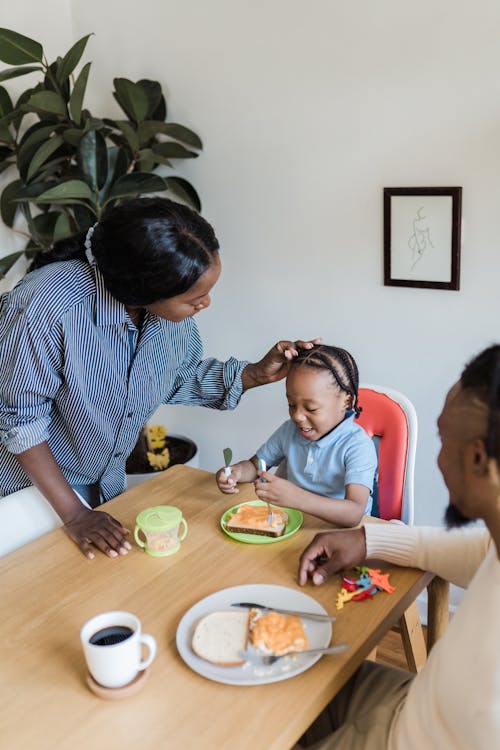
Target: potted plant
[[156, 451], [69, 164]]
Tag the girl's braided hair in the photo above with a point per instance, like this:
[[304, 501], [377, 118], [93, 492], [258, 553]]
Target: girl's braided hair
[[338, 362]]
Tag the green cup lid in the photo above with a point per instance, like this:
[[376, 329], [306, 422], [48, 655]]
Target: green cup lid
[[159, 517]]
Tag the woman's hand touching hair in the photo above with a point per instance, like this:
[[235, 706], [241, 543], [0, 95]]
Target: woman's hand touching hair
[[274, 365]]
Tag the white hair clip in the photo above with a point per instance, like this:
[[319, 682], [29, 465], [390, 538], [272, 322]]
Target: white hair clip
[[88, 245]]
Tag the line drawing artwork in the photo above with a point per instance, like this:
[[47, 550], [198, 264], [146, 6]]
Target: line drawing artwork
[[420, 240]]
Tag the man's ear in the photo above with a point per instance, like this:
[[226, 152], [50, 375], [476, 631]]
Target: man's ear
[[475, 458], [480, 467]]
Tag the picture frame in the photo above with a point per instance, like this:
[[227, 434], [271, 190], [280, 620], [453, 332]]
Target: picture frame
[[422, 233]]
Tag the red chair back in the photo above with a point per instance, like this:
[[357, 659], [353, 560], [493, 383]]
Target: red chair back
[[383, 418]]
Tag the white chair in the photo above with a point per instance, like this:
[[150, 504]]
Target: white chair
[[24, 516]]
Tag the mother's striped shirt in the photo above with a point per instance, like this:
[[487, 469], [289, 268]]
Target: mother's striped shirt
[[67, 377]]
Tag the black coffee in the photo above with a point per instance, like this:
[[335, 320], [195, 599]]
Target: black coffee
[[111, 635]]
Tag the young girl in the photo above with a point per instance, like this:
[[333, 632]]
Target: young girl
[[330, 460]]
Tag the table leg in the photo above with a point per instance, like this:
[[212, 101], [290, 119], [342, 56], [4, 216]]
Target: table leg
[[438, 601]]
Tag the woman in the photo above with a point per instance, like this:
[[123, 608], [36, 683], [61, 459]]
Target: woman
[[93, 341]]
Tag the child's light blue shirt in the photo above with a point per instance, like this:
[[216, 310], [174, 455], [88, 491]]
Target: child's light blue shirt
[[345, 456]]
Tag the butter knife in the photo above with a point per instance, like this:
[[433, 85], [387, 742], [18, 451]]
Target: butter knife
[[228, 457], [305, 615]]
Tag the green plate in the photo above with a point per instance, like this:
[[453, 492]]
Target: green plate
[[295, 519]]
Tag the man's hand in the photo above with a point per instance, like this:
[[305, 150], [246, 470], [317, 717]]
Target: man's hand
[[274, 365], [91, 528], [331, 552]]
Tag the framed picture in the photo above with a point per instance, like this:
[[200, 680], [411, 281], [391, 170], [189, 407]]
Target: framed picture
[[422, 237]]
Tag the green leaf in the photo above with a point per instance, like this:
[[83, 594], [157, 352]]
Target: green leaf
[[160, 112], [51, 83], [42, 154], [5, 165], [71, 59], [131, 98], [84, 216], [67, 192], [9, 73], [153, 92], [148, 155], [172, 150], [184, 190], [28, 145], [129, 134], [8, 261], [76, 98], [64, 227], [16, 49], [181, 133], [43, 227], [135, 184], [92, 158], [52, 168], [5, 135], [117, 167], [47, 101], [5, 102], [73, 136], [8, 210], [152, 128], [28, 192]]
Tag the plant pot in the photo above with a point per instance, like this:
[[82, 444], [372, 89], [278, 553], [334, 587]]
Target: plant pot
[[182, 451]]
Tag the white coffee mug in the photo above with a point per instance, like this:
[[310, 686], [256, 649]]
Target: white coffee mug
[[112, 644]]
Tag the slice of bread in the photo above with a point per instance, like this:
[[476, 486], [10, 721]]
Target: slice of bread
[[219, 637], [252, 519]]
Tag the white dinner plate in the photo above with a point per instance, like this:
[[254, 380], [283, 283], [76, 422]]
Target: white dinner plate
[[318, 633]]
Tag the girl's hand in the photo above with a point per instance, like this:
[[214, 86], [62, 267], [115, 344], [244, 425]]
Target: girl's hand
[[274, 365], [228, 484], [274, 490], [97, 529]]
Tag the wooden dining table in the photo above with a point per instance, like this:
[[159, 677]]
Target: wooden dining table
[[48, 589]]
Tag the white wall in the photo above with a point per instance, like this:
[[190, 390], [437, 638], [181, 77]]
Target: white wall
[[307, 110]]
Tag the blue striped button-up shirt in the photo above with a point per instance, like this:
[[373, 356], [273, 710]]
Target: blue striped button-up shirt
[[67, 376]]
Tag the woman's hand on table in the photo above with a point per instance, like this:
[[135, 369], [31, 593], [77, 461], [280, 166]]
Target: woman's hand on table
[[90, 529], [331, 552], [274, 365]]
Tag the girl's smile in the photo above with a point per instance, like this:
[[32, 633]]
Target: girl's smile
[[315, 402]]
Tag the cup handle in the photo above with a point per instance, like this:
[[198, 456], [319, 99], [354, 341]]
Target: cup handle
[[137, 537], [150, 643], [184, 531]]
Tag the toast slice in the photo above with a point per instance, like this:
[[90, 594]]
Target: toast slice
[[219, 637], [252, 519]]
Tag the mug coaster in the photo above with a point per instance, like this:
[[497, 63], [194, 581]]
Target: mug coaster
[[115, 693]]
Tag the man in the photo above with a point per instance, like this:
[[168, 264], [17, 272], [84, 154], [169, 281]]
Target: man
[[454, 702]]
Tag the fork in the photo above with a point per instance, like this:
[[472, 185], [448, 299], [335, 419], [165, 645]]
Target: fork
[[266, 659], [263, 467]]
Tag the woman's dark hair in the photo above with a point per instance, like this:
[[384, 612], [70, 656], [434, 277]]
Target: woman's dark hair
[[482, 376], [147, 249], [336, 361]]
